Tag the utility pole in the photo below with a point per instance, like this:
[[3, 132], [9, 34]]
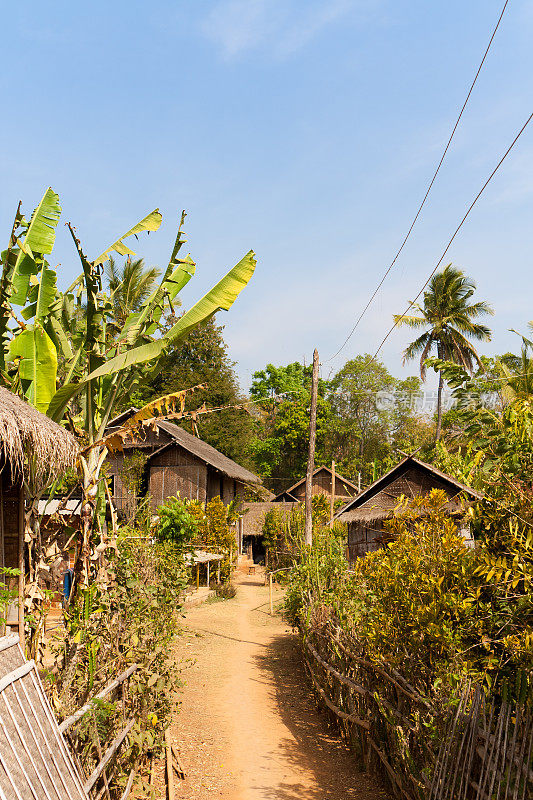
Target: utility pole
[[332, 504], [311, 457]]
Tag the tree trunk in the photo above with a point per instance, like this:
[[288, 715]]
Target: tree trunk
[[439, 408]]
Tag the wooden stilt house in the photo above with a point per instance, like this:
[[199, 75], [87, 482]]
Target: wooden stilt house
[[33, 452]]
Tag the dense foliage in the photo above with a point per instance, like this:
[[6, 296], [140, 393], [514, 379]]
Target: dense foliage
[[427, 604], [202, 359], [364, 417], [130, 620]]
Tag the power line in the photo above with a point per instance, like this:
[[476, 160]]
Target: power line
[[422, 204], [458, 228]]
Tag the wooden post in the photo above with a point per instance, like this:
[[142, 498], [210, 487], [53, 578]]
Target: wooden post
[[270, 592], [332, 504], [21, 518], [207, 584], [218, 572], [197, 576], [2, 550], [311, 456], [170, 773]]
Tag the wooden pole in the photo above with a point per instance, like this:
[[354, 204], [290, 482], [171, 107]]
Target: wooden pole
[[332, 503], [311, 456], [198, 576], [207, 584], [170, 773], [270, 593], [21, 592], [91, 704]]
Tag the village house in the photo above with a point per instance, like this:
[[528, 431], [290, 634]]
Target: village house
[[254, 513], [321, 484], [366, 513], [173, 462]]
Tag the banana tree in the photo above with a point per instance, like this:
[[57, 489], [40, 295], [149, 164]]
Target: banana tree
[[101, 369], [71, 328]]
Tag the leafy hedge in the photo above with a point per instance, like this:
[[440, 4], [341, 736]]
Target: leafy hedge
[[128, 617]]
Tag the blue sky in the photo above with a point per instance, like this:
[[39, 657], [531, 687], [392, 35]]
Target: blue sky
[[305, 130]]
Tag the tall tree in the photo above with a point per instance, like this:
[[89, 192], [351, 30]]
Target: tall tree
[[449, 320], [202, 358], [280, 446], [129, 287]]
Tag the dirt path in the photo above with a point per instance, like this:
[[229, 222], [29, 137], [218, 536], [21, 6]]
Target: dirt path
[[248, 728]]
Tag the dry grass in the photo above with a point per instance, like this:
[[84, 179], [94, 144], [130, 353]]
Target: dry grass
[[26, 433]]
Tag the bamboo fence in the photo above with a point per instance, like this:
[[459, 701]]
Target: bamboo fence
[[474, 749]]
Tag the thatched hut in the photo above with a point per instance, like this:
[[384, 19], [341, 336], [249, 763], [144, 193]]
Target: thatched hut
[[323, 482], [366, 513], [34, 451]]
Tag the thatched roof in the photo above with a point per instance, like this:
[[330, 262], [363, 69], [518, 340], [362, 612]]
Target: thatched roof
[[25, 432], [205, 452], [287, 494], [412, 478], [379, 512], [253, 514]]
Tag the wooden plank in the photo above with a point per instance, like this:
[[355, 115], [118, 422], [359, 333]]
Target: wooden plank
[[337, 711], [129, 784]]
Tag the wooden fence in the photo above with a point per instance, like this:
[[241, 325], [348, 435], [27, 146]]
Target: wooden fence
[[482, 750]]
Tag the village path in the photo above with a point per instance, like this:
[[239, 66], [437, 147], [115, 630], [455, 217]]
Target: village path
[[247, 727]]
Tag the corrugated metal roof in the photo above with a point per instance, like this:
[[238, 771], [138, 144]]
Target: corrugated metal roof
[[66, 508]]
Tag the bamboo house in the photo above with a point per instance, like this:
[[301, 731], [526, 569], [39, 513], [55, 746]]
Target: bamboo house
[[34, 451], [365, 514]]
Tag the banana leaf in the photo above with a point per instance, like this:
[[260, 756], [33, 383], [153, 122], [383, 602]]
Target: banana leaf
[[41, 295], [37, 366], [150, 223], [221, 296], [39, 239]]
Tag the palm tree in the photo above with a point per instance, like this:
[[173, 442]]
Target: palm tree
[[449, 320], [129, 287]]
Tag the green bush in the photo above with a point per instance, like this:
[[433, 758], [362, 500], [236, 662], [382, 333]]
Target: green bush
[[127, 617], [425, 604], [176, 523], [214, 531]]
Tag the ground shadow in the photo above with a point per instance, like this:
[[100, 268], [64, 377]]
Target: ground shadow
[[316, 746]]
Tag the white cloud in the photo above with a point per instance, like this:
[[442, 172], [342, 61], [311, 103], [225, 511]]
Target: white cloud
[[281, 26]]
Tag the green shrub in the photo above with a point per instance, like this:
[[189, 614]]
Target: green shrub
[[176, 523], [226, 590], [128, 617]]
